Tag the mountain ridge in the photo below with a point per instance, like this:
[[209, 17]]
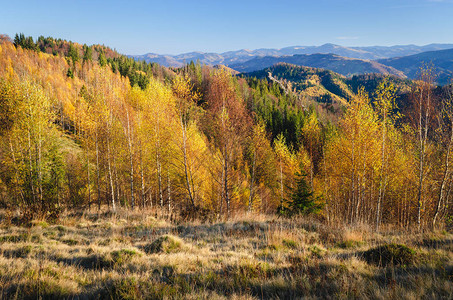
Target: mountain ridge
[[441, 61], [343, 65], [237, 56]]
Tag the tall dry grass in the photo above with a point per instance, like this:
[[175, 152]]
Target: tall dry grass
[[146, 254]]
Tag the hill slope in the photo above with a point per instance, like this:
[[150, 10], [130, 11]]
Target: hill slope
[[318, 84], [323, 85], [442, 62], [336, 63]]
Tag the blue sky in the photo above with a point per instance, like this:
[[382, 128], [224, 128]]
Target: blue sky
[[175, 26]]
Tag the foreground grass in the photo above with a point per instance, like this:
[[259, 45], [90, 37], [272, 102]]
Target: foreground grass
[[135, 256]]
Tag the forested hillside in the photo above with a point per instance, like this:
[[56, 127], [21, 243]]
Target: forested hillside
[[83, 127], [324, 86]]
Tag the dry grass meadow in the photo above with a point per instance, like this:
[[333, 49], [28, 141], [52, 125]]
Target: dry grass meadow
[[136, 255]]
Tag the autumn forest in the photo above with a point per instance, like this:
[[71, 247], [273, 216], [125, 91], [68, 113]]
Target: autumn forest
[[83, 127]]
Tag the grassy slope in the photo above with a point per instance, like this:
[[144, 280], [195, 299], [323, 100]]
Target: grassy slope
[[132, 255]]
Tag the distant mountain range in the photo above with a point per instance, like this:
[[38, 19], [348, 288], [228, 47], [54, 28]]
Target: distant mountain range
[[339, 64], [442, 63], [402, 60], [239, 56]]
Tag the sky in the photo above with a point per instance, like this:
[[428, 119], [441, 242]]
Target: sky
[[178, 26]]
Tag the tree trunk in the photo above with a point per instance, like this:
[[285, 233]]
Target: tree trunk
[[311, 166], [112, 191], [352, 193], [159, 166], [252, 182], [362, 191], [169, 192], [39, 163], [227, 197], [30, 160], [88, 179], [186, 164], [381, 179], [281, 184], [131, 163], [423, 133], [326, 187], [444, 178], [98, 186], [142, 177], [159, 182]]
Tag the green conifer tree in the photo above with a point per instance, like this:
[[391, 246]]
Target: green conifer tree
[[301, 201]]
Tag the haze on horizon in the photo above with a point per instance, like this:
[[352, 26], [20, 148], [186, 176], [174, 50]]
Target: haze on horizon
[[176, 27]]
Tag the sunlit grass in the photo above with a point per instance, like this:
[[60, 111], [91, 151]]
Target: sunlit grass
[[134, 255]]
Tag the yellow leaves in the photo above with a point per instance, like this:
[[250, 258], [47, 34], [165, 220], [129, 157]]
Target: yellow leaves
[[156, 94], [32, 112], [284, 155], [385, 100], [356, 150], [69, 109], [280, 147], [311, 124], [184, 89], [136, 97], [304, 160], [311, 133], [259, 135]]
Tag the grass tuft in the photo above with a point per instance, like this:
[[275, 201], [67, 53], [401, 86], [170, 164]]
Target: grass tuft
[[394, 254], [165, 244], [123, 256]]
